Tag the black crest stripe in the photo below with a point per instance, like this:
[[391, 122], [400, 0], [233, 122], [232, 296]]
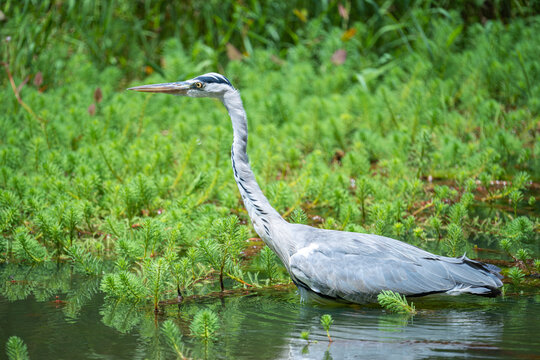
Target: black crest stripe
[[213, 79]]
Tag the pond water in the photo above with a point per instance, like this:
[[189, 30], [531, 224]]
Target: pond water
[[80, 324]]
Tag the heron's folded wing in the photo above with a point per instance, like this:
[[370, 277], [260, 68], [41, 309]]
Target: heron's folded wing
[[357, 267]]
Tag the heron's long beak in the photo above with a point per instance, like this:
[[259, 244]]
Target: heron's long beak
[[176, 88]]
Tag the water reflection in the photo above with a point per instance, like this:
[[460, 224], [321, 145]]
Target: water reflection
[[265, 325]]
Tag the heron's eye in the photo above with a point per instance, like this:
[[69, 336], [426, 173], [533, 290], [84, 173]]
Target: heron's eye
[[198, 85]]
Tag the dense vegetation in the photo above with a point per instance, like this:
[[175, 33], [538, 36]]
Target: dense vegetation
[[406, 120]]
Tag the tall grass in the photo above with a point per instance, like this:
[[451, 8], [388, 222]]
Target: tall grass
[[130, 35]]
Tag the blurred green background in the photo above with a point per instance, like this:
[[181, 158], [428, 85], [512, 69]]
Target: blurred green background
[[40, 35]]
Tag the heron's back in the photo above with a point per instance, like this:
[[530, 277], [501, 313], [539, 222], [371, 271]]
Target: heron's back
[[356, 267]]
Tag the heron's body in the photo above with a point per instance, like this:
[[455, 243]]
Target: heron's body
[[332, 264]]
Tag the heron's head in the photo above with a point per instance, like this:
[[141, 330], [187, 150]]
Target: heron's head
[[207, 85]]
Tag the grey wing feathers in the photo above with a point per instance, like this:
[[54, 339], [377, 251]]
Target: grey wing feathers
[[356, 267]]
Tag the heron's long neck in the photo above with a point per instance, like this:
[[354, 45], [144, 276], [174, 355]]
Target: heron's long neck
[[262, 214]]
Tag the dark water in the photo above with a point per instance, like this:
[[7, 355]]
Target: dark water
[[263, 325]]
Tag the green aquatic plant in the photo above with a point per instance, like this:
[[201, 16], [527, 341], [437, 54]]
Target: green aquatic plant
[[269, 263], [204, 324], [326, 322], [363, 191], [174, 338], [26, 247], [524, 256], [395, 302], [155, 277], [84, 260], [515, 197], [16, 349], [516, 275], [421, 153], [298, 216], [181, 274], [138, 194], [152, 235], [454, 240], [223, 250], [71, 218], [436, 224], [110, 185], [123, 285]]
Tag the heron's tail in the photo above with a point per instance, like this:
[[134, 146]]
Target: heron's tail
[[475, 277]]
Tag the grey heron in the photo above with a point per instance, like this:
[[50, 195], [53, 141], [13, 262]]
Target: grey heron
[[328, 264]]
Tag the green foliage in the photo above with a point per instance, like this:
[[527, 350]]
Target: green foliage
[[155, 273], [395, 302], [305, 335], [137, 195], [181, 273], [204, 325], [151, 234], [515, 198], [16, 349], [223, 250], [454, 240], [26, 247], [516, 275], [298, 216], [84, 260], [426, 131], [270, 264], [174, 338], [124, 285], [326, 322]]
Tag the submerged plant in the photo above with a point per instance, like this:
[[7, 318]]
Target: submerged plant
[[174, 338], [16, 349], [326, 322], [204, 324], [394, 302]]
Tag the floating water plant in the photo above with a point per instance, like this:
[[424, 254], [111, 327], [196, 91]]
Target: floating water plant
[[395, 302]]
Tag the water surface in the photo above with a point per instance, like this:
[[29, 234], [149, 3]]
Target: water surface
[[80, 324]]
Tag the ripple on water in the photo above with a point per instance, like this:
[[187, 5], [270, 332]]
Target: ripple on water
[[267, 325]]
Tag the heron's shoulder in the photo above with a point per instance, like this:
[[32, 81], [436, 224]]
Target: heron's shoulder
[[310, 239], [311, 234]]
